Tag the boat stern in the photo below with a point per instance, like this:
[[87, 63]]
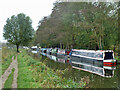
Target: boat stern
[[111, 62]]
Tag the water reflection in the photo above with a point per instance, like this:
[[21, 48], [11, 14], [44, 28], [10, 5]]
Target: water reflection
[[62, 60], [55, 58], [34, 52], [102, 71], [51, 57]]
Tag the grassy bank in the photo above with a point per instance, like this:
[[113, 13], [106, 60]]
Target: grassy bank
[[9, 81], [7, 57], [35, 74]]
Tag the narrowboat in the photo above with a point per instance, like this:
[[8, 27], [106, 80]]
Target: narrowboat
[[61, 53], [54, 51], [49, 50], [34, 49], [43, 51], [67, 52], [96, 59], [105, 57]]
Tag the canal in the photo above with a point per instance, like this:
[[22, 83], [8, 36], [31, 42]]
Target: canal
[[93, 80]]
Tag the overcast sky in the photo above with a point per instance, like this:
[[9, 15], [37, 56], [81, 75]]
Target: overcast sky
[[35, 9]]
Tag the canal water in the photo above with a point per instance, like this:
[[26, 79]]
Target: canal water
[[93, 80]]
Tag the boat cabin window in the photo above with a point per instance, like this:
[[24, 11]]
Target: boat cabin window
[[95, 55], [34, 49], [73, 52], [45, 51], [108, 55], [99, 55]]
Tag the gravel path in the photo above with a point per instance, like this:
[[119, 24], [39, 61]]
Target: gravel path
[[4, 77]]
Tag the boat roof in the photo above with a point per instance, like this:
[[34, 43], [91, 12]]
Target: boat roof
[[34, 47], [82, 50]]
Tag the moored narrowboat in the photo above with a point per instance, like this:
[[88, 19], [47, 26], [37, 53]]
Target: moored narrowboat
[[61, 53], [67, 52], [97, 59], [34, 49], [49, 50], [43, 50], [54, 51], [105, 57]]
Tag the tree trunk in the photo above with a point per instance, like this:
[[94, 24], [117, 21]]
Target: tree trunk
[[100, 43], [17, 48], [119, 30], [71, 46], [119, 50], [114, 48], [60, 45]]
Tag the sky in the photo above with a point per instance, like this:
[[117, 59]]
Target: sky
[[35, 9]]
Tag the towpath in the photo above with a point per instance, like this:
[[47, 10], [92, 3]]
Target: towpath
[[4, 77]]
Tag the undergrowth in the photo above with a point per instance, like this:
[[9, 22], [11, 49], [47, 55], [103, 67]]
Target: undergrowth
[[7, 57], [35, 74]]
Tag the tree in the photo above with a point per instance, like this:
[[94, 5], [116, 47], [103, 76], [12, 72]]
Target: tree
[[85, 25], [119, 29], [18, 30]]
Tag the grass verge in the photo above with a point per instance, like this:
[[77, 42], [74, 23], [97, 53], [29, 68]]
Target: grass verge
[[35, 74], [6, 58], [9, 81]]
